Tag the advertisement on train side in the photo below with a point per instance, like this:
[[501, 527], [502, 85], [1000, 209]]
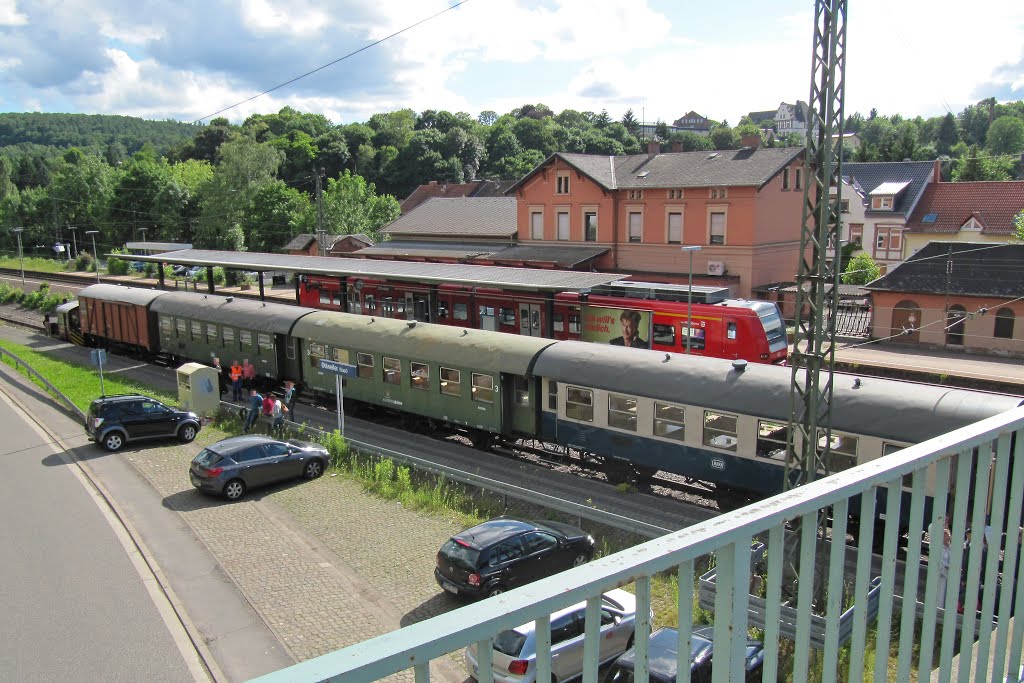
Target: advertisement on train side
[[616, 326]]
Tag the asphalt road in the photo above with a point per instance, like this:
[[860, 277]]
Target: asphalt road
[[75, 603]]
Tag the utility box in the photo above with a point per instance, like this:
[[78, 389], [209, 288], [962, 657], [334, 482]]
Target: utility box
[[198, 389]]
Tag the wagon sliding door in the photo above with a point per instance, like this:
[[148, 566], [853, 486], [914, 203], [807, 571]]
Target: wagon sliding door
[[518, 404]]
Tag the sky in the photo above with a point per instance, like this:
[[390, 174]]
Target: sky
[[186, 60]]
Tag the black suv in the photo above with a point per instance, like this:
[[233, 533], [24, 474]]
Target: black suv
[[113, 421]]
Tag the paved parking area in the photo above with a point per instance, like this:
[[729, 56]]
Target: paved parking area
[[325, 564]]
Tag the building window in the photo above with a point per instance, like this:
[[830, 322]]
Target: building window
[[636, 226], [590, 226], [392, 371], [562, 183], [579, 404], [419, 375], [675, 228], [717, 193], [844, 205], [536, 225], [563, 225], [675, 194], [856, 232], [888, 242], [451, 382], [785, 179], [881, 203], [720, 430], [483, 388], [668, 421], [364, 365], [717, 228], [1004, 324], [622, 412], [797, 185], [636, 194]]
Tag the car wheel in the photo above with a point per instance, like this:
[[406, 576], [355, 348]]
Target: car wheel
[[188, 433], [495, 590], [313, 469], [113, 441], [234, 489], [581, 558]]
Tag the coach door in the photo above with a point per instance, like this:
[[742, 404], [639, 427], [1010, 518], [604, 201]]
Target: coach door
[[519, 415], [529, 320], [417, 306]]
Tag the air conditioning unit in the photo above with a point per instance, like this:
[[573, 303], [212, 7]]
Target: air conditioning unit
[[716, 267]]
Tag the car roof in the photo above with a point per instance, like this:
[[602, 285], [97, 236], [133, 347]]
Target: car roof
[[124, 397], [495, 530], [237, 443], [616, 598]]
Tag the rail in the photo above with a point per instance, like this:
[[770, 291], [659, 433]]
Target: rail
[[983, 463], [54, 391]]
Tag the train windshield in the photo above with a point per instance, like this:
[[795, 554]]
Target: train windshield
[[774, 327]]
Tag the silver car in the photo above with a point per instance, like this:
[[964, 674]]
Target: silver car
[[515, 651]]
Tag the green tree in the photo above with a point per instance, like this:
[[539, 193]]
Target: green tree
[[1005, 136], [947, 135], [274, 216], [861, 269], [394, 128], [724, 137], [630, 122], [602, 119], [536, 134], [691, 142], [351, 205], [81, 188], [245, 166], [487, 117], [977, 165], [1018, 227]]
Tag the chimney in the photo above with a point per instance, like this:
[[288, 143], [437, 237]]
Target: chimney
[[751, 140], [432, 182], [677, 146], [653, 148], [936, 171]]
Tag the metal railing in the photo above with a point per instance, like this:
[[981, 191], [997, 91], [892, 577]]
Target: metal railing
[[53, 391], [978, 474]]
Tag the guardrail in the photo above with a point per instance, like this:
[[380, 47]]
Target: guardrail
[[54, 391]]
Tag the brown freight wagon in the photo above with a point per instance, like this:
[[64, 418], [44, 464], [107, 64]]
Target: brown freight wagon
[[120, 315]]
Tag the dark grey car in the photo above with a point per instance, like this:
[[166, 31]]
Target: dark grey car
[[233, 466], [113, 421]]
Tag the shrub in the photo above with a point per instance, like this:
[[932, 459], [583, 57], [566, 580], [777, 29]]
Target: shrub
[[84, 261]]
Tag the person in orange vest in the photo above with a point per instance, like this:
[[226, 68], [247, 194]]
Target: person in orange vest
[[236, 381]]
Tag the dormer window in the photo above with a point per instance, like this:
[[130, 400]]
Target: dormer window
[[972, 225], [881, 203]]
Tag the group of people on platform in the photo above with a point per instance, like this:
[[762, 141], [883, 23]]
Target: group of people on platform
[[242, 382]]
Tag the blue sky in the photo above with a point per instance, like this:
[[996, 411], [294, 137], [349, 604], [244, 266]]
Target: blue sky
[[662, 58]]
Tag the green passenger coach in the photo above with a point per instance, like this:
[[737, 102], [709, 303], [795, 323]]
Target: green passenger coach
[[201, 327], [474, 381]]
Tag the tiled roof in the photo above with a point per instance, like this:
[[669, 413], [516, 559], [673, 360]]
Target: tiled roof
[[474, 188], [872, 174], [732, 167], [462, 217], [978, 268], [562, 256], [947, 206], [758, 116], [303, 241], [357, 236], [412, 249]]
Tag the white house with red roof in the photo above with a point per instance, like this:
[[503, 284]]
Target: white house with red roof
[[964, 212]]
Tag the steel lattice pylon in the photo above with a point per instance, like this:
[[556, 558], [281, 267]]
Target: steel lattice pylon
[[817, 280]]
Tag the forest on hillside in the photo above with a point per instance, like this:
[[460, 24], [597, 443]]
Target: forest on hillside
[[252, 186]]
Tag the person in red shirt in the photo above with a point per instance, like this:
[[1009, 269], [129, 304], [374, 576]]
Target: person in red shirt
[[248, 377]]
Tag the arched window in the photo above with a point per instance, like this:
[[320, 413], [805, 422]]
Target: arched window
[[955, 317], [1004, 324], [906, 322]]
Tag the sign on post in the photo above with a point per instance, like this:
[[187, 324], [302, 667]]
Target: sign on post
[[339, 370], [98, 358]]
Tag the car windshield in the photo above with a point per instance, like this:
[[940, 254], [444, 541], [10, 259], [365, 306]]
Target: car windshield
[[456, 553], [207, 458], [509, 643]]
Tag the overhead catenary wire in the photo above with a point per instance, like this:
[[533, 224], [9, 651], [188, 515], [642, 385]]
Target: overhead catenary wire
[[332, 63]]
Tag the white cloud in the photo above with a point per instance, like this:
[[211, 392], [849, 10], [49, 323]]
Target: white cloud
[[9, 14], [266, 17]]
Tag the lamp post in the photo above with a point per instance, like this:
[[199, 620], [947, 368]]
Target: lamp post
[[95, 256], [689, 295], [21, 256], [74, 238]]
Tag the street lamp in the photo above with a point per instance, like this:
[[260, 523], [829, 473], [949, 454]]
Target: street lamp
[[95, 256], [21, 257], [689, 295]]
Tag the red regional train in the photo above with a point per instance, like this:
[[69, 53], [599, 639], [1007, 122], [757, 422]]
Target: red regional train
[[716, 325]]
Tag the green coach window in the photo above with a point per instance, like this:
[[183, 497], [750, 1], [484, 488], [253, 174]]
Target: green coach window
[[483, 388], [392, 371], [211, 333], [364, 365], [419, 376], [182, 328], [264, 341], [451, 382]]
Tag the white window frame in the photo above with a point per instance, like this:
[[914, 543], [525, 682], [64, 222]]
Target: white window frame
[[671, 238], [630, 212], [562, 182], [536, 224], [562, 223], [713, 211]]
